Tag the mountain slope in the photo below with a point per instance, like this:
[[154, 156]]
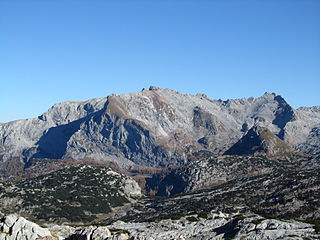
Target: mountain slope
[[312, 144], [73, 194]]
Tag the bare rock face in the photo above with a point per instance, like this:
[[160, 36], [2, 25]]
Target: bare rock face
[[156, 127], [312, 143], [14, 227], [306, 119], [91, 232], [20, 139], [267, 229]]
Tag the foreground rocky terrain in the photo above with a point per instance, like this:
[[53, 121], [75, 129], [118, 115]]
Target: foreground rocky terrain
[[195, 227]]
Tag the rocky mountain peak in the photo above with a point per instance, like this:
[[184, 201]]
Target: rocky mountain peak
[[270, 94], [152, 88], [259, 140]]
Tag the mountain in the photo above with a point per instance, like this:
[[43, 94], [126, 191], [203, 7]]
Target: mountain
[[259, 140], [155, 127]]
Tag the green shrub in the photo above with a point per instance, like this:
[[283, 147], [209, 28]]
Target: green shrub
[[192, 219], [203, 215]]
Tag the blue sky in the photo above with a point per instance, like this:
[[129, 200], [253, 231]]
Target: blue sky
[[61, 50]]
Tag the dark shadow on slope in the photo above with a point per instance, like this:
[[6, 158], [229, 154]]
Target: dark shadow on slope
[[171, 185], [247, 145], [283, 115], [230, 229], [133, 140], [53, 143]]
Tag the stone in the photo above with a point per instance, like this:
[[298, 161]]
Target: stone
[[91, 232], [215, 229], [14, 227]]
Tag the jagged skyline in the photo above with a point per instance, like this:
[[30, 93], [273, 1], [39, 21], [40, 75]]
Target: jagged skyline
[[156, 127]]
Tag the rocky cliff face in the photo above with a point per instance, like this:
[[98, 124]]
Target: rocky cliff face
[[14, 227], [312, 143], [156, 127]]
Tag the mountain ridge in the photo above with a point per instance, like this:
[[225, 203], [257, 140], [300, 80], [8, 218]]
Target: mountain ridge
[[155, 127]]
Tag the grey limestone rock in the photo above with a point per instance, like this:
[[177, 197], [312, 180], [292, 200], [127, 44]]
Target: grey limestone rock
[[219, 226], [14, 227], [210, 171], [91, 232], [276, 229], [215, 226], [312, 144]]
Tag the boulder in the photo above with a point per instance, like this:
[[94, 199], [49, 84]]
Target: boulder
[[91, 232], [14, 227]]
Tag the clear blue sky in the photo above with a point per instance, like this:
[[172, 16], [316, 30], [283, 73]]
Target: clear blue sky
[[60, 50]]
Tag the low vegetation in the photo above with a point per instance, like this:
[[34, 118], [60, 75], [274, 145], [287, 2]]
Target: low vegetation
[[75, 194]]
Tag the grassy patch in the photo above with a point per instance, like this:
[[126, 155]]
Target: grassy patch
[[315, 223], [203, 215]]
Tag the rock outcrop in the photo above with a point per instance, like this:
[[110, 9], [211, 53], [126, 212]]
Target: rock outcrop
[[14, 227], [212, 171], [91, 232], [312, 143]]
